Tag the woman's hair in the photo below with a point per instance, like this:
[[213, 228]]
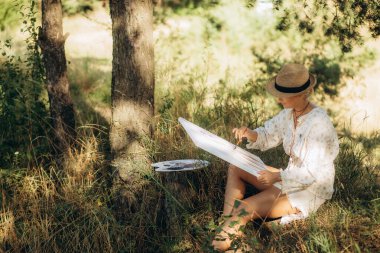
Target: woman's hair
[[309, 92]]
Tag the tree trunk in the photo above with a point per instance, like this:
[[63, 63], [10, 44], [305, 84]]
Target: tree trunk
[[132, 88], [51, 41]]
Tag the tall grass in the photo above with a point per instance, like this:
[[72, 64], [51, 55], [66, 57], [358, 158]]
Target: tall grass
[[50, 211], [75, 210]]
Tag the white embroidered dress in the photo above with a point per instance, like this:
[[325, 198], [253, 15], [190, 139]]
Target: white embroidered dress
[[312, 146]]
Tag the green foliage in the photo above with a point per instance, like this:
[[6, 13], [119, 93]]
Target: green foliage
[[72, 7], [233, 45], [23, 111], [342, 20], [90, 87], [9, 13], [166, 118], [211, 65], [176, 4], [355, 177]]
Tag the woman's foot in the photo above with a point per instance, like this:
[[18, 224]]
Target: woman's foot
[[221, 242], [220, 245], [230, 231]]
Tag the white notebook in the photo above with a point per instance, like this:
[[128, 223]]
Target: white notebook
[[224, 149]]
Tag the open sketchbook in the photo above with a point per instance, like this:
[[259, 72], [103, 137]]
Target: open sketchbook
[[224, 149]]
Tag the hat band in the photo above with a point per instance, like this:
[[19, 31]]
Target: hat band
[[292, 89]]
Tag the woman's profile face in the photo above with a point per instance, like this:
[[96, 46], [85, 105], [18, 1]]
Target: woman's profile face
[[291, 102]]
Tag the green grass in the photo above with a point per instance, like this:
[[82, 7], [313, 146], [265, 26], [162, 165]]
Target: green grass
[[213, 76], [74, 210]]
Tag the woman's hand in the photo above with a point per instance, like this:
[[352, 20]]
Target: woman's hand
[[272, 169], [240, 133], [268, 177]]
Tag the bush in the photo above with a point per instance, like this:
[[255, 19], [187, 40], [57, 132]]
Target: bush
[[23, 100], [9, 13]]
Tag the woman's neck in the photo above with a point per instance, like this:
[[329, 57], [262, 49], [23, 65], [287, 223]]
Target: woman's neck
[[301, 107], [307, 107]]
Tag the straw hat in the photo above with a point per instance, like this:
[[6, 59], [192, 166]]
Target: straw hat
[[291, 80]]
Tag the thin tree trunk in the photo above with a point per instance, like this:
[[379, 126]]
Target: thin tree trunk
[[51, 41], [132, 88]]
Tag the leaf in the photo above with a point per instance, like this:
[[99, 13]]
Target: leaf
[[243, 213], [233, 223], [237, 203]]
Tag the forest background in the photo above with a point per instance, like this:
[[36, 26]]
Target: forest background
[[212, 59]]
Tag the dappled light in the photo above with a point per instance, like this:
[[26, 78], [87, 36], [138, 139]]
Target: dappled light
[[131, 77]]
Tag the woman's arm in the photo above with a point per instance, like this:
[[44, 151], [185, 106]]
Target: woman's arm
[[270, 134]]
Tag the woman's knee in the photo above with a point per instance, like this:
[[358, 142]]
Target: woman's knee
[[234, 171], [242, 210]]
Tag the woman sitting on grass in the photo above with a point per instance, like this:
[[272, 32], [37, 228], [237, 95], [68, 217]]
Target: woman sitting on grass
[[308, 137]]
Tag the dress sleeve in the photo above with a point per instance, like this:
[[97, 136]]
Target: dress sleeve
[[322, 147], [270, 135]]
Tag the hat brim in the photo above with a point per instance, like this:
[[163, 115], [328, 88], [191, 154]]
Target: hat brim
[[274, 92]]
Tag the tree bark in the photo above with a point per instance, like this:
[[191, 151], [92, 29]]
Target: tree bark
[[51, 41], [132, 87]]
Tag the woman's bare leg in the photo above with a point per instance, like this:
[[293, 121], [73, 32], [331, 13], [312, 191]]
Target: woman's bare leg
[[235, 188], [268, 203]]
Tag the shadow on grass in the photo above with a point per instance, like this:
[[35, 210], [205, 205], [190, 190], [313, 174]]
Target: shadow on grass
[[90, 84], [90, 81]]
